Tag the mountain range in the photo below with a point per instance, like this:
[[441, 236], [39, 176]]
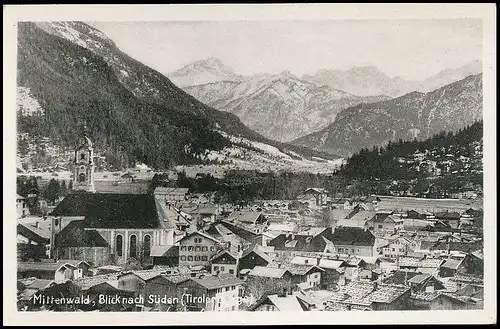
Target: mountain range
[[77, 75], [284, 107], [414, 115], [281, 107]]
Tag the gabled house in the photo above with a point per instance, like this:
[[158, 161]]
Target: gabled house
[[219, 293], [307, 276], [50, 270], [21, 206], [225, 262], [171, 194], [451, 218], [254, 256], [280, 303], [305, 241], [198, 248], [163, 285], [385, 222], [318, 194], [396, 247], [352, 241], [442, 301], [425, 283], [268, 280]]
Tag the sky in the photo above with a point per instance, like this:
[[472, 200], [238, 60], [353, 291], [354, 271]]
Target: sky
[[412, 49]]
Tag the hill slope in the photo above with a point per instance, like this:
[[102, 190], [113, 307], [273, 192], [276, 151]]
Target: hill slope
[[414, 115], [77, 75]]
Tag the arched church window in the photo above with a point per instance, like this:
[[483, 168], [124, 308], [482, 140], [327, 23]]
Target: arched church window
[[119, 245], [133, 246], [81, 177], [82, 156], [147, 246]]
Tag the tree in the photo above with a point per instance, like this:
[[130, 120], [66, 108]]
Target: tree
[[52, 191], [64, 188]]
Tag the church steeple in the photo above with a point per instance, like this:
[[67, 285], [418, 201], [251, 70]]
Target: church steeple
[[83, 173]]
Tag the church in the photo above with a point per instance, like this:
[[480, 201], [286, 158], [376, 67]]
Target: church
[[106, 228]]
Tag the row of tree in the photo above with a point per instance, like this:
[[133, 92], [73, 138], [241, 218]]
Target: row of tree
[[29, 188]]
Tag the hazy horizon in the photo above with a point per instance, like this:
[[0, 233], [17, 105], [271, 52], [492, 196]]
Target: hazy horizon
[[411, 49]]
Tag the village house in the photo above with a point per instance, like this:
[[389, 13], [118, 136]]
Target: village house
[[171, 194], [254, 256], [21, 206], [163, 285], [306, 276], [352, 241], [333, 271], [280, 303], [319, 195], [198, 248], [212, 293], [439, 300], [271, 280], [385, 222], [396, 247], [309, 240], [57, 271], [425, 283], [420, 265], [368, 295], [357, 217], [452, 218], [453, 266], [33, 240], [225, 263]]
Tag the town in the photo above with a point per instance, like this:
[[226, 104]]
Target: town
[[158, 244]]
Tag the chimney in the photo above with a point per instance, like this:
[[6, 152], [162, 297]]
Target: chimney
[[37, 224]]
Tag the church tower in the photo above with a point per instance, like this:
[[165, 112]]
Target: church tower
[[83, 173]]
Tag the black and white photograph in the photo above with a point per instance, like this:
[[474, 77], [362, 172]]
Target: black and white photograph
[[237, 164]]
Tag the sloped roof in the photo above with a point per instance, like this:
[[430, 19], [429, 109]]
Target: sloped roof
[[249, 217], [213, 282], [164, 251], [352, 236], [224, 252], [257, 250], [171, 190], [387, 293], [41, 266], [300, 269], [419, 278], [331, 264], [75, 235], [288, 303], [34, 233], [315, 190], [452, 263], [203, 234], [111, 210], [91, 281], [40, 284], [268, 272]]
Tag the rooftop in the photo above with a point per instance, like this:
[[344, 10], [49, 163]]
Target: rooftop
[[213, 282], [268, 272], [110, 210]]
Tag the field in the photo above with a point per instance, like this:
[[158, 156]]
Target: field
[[431, 205]]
